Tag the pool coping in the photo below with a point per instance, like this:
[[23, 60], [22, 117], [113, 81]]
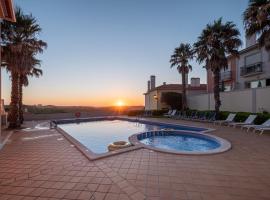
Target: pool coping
[[94, 156], [225, 145]]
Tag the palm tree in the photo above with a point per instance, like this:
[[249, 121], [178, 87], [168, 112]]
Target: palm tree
[[28, 70], [215, 43], [10, 61], [180, 58], [20, 42], [257, 21]]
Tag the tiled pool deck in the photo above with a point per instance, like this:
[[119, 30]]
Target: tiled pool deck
[[44, 165]]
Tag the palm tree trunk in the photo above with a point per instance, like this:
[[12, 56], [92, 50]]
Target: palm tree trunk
[[216, 92], [184, 95], [13, 113], [21, 119]]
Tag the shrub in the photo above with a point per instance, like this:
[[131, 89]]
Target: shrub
[[159, 112], [262, 117], [135, 112]]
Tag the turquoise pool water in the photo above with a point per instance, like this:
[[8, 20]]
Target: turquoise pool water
[[181, 142], [97, 135]]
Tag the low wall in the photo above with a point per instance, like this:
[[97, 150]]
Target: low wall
[[248, 100]]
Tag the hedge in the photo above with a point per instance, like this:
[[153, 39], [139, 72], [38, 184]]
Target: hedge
[[240, 116]]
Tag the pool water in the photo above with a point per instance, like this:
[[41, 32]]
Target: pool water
[[181, 142], [97, 135]]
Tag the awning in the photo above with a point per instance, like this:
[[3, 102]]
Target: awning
[[7, 10]]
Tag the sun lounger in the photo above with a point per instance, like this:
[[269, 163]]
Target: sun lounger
[[229, 119], [200, 116], [173, 113], [194, 116], [212, 117], [248, 121], [177, 115], [191, 116], [261, 127], [168, 113], [181, 115]]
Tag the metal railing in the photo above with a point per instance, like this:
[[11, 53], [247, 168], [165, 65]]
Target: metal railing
[[251, 69]]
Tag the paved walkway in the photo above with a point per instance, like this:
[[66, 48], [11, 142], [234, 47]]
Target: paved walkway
[[44, 165]]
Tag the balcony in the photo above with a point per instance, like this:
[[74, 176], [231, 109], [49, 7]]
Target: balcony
[[226, 75], [253, 69]]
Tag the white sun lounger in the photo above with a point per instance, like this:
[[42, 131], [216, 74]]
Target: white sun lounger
[[262, 129], [168, 113], [248, 121], [264, 126], [229, 119], [173, 113]]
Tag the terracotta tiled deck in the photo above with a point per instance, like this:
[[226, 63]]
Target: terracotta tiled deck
[[44, 165]]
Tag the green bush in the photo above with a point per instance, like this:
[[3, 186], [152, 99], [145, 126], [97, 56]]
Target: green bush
[[159, 112], [133, 113], [262, 117]]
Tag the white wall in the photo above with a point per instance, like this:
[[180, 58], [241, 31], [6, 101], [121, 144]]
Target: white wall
[[248, 100], [198, 102], [263, 99], [150, 101]]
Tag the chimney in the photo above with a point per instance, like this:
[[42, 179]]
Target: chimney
[[250, 40], [148, 86], [164, 83], [153, 82], [195, 82]]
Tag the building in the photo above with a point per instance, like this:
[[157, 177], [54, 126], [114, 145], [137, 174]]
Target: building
[[227, 76], [245, 83], [250, 70], [6, 13], [154, 94]]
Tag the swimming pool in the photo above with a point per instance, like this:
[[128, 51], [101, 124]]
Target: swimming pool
[[97, 134], [181, 142]]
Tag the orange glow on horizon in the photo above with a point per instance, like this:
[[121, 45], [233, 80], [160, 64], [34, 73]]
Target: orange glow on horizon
[[76, 97], [101, 101]]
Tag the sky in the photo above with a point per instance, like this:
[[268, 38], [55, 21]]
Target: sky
[[103, 51]]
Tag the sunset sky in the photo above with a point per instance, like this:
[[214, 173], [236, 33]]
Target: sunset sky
[[100, 52]]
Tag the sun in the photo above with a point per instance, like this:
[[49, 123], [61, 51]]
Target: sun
[[120, 103]]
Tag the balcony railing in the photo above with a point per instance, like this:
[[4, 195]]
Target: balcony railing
[[251, 69], [226, 76]]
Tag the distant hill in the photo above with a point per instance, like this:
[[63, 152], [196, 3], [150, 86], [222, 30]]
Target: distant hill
[[50, 109]]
